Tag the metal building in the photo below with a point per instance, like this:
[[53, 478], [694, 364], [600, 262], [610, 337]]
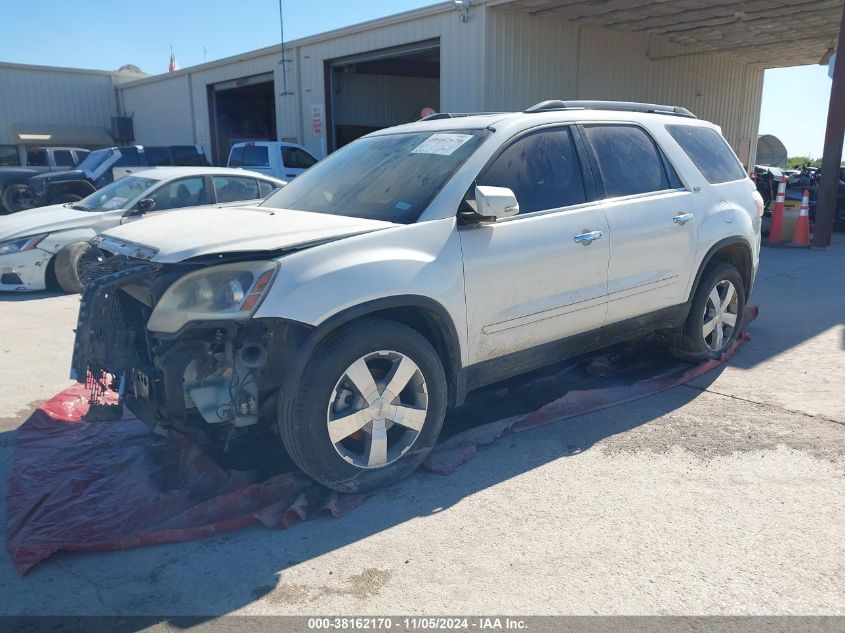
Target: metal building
[[44, 105], [486, 55]]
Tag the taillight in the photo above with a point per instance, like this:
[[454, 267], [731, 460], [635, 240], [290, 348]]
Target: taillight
[[758, 201]]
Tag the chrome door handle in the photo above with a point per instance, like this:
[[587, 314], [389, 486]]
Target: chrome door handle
[[588, 237], [682, 218]]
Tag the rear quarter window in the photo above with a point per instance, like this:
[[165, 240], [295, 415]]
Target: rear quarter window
[[9, 156], [709, 152]]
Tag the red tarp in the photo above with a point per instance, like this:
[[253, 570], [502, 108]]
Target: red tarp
[[80, 486]]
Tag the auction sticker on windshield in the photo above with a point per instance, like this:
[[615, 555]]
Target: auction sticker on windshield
[[443, 144], [115, 203]]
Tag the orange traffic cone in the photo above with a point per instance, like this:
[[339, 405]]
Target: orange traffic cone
[[776, 229], [801, 236]]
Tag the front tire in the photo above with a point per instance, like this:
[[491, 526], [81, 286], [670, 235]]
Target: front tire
[[715, 317], [369, 408], [68, 264]]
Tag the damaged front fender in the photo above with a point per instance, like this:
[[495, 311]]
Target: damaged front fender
[[24, 272]]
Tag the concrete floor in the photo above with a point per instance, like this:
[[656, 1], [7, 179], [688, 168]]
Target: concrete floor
[[725, 496]]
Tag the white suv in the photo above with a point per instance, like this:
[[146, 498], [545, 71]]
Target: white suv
[[352, 308]]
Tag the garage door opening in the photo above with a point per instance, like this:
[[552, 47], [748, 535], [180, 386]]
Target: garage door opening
[[369, 92], [241, 110]]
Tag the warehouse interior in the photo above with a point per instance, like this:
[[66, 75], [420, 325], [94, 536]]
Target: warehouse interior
[[406, 78], [243, 109]]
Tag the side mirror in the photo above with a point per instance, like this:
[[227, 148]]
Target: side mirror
[[495, 203], [147, 204]]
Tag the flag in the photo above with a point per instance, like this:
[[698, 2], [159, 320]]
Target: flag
[[174, 65]]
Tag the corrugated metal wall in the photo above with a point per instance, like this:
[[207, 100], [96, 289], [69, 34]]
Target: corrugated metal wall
[[461, 67], [202, 80], [529, 59], [532, 58], [498, 60], [460, 87], [161, 111], [400, 98], [58, 97]]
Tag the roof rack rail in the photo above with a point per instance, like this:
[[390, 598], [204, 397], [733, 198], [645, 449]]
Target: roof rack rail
[[623, 106], [454, 115]]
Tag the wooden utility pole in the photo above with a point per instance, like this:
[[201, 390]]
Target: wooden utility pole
[[833, 140]]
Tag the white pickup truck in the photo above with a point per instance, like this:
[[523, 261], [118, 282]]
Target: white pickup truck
[[273, 158]]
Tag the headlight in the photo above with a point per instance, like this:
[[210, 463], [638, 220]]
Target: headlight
[[231, 291], [20, 244]]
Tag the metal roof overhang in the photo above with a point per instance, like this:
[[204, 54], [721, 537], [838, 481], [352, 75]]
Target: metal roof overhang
[[771, 34], [68, 135]]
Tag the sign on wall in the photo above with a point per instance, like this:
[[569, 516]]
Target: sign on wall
[[317, 120]]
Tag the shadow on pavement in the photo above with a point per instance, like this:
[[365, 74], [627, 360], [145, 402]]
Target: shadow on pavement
[[801, 293], [225, 573]]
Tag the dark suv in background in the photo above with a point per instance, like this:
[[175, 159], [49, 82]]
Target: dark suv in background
[[18, 165], [104, 166]]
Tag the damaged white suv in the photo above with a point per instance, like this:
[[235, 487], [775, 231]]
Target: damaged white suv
[[352, 308]]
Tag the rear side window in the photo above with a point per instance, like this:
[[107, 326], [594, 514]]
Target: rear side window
[[295, 158], [187, 156], [629, 161], [542, 169], [37, 158], [63, 158], [235, 188], [157, 156], [9, 156], [129, 157], [256, 156], [709, 152], [236, 156]]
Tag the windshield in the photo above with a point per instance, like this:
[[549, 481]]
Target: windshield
[[391, 178], [117, 195], [95, 159]]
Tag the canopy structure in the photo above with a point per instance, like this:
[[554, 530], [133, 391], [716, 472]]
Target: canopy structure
[[767, 33], [764, 32], [771, 151]]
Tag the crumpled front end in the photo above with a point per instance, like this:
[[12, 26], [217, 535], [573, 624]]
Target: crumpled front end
[[210, 379]]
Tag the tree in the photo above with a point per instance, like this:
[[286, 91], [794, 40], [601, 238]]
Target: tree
[[796, 162]]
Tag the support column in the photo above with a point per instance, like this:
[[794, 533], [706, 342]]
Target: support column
[[833, 139]]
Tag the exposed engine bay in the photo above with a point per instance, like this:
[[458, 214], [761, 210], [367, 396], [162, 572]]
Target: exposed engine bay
[[212, 379]]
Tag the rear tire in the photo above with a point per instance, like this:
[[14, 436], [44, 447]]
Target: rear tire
[[67, 266], [716, 315], [353, 441]]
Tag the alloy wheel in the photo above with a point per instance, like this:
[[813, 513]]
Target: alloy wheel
[[377, 409], [720, 315]]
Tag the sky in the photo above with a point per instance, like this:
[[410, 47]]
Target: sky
[[105, 34], [794, 109]]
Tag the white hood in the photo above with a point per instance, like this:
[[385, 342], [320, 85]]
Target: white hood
[[56, 217], [180, 236]]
